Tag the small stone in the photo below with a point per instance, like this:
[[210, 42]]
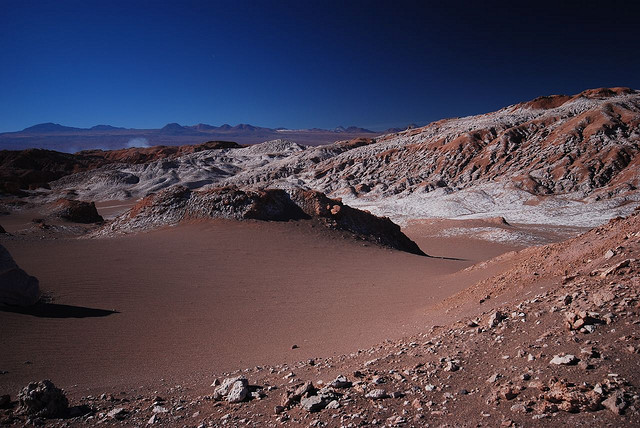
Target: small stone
[[615, 402], [278, 409], [494, 377], [340, 382], [429, 387], [396, 420], [152, 420], [509, 393], [451, 366], [496, 318], [160, 409], [118, 413], [520, 407], [333, 404], [377, 394], [294, 346], [609, 254], [566, 360]]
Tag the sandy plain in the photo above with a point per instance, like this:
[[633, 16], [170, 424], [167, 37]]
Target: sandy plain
[[205, 297]]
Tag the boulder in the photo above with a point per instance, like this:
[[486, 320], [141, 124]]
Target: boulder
[[16, 286], [238, 392], [76, 211], [43, 399], [233, 389], [314, 403]]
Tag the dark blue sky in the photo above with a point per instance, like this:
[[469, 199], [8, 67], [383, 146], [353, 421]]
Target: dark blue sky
[[303, 63]]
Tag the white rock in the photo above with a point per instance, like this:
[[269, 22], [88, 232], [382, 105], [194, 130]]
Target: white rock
[[565, 360]]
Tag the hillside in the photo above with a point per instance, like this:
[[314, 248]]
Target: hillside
[[558, 159]]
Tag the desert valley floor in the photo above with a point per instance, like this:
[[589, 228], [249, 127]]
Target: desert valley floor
[[217, 295]]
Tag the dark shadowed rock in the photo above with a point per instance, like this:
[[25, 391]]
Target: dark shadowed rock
[[43, 399], [76, 211], [16, 286]]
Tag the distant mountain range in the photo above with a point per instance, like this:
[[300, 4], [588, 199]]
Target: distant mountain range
[[58, 137]]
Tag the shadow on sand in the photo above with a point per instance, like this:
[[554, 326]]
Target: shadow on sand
[[54, 310]]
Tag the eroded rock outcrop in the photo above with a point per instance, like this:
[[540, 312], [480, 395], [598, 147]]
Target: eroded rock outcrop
[[43, 399], [179, 203], [76, 211]]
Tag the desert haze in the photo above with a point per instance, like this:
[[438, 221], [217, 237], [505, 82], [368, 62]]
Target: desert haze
[[477, 271]]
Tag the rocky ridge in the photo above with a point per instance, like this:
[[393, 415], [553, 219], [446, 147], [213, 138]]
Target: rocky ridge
[[558, 160], [179, 203]]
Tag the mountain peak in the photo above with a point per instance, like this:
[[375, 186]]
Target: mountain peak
[[49, 127]]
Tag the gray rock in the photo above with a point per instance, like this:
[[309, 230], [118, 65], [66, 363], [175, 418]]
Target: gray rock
[[43, 399], [221, 391], [313, 404], [118, 413], [496, 318], [377, 394], [494, 377], [16, 286], [333, 404], [451, 366], [566, 360], [238, 391], [340, 382]]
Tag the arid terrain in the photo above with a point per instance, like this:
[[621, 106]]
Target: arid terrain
[[478, 271]]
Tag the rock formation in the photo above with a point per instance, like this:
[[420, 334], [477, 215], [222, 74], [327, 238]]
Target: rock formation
[[76, 211], [16, 286], [43, 399], [178, 203], [538, 161]]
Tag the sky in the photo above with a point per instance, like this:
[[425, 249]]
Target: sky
[[302, 64]]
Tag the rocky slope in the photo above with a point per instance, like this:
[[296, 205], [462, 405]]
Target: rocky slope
[[558, 159], [179, 203], [538, 344], [35, 168]]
